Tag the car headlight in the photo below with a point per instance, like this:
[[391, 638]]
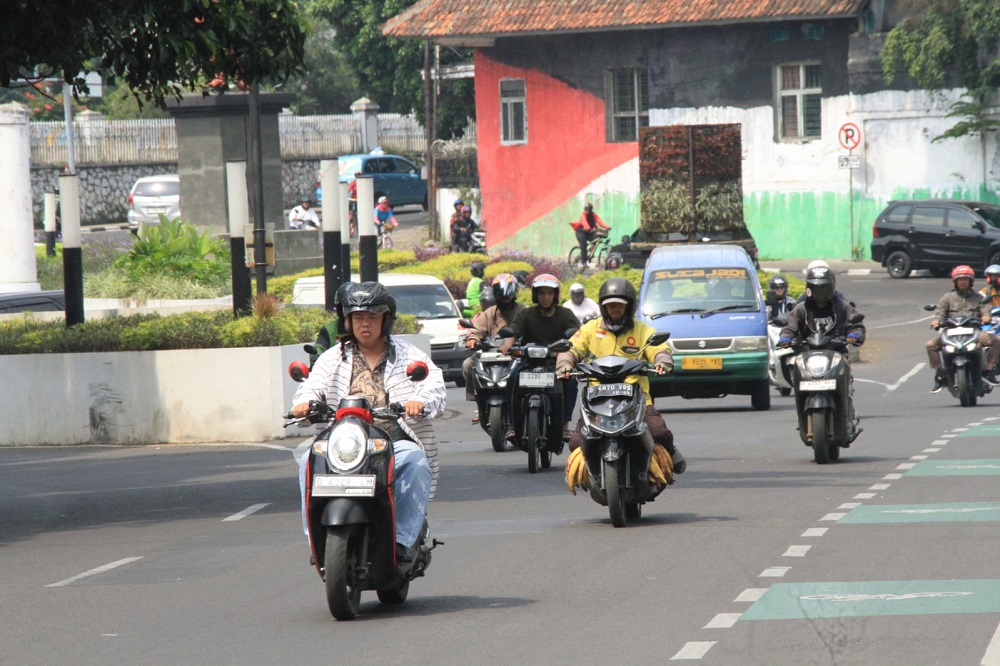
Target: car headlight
[[751, 343], [347, 446]]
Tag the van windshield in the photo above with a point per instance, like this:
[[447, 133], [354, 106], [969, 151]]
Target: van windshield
[[696, 290], [425, 301]]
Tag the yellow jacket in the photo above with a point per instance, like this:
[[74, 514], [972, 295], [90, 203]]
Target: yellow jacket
[[994, 297], [592, 339]]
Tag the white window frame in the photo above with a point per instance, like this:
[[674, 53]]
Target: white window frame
[[639, 113], [799, 95], [509, 102]]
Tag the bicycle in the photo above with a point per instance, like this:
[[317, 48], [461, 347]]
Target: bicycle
[[385, 236], [598, 249]]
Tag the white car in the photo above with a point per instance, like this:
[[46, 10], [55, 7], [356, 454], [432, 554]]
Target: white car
[[152, 196], [422, 296]]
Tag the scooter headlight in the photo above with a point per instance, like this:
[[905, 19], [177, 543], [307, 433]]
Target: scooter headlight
[[971, 345], [818, 364], [612, 424], [951, 349], [347, 446]]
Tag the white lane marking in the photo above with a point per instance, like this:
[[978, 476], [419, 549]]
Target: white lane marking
[[933, 449], [899, 382], [774, 572], [246, 512], [833, 516], [992, 656], [991, 418], [864, 496], [723, 621], [919, 457], [943, 466], [892, 477], [902, 323], [906, 465], [815, 531], [977, 423], [881, 486], [854, 598], [946, 437], [796, 551], [939, 442], [693, 650], [958, 430], [751, 594], [94, 572], [849, 505]]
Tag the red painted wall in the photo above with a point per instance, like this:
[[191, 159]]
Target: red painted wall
[[565, 151]]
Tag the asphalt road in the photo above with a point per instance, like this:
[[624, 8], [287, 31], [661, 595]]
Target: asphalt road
[[194, 554]]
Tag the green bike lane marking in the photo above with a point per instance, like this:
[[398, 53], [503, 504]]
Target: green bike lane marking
[[981, 430], [798, 601], [985, 467], [955, 512]]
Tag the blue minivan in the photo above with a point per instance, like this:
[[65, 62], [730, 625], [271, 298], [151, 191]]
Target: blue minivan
[[393, 176], [710, 301]]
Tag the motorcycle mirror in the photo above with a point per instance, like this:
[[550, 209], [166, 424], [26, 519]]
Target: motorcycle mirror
[[570, 332], [505, 332], [856, 318], [298, 370], [466, 323], [780, 321], [930, 308], [310, 349], [657, 339], [417, 371], [985, 298], [560, 346]]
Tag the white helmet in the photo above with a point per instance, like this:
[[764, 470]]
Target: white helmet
[[818, 263], [576, 287]]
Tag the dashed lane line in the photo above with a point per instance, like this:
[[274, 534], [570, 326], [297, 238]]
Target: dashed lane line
[[693, 650], [796, 551], [245, 512], [94, 572]]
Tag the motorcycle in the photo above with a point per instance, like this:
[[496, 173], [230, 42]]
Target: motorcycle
[[351, 502], [779, 361], [537, 422], [492, 369], [616, 444], [962, 358], [824, 392], [477, 242]]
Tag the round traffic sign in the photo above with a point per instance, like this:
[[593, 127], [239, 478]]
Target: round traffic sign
[[849, 136]]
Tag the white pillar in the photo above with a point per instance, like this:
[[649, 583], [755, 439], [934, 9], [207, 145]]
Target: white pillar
[[17, 233], [329, 174]]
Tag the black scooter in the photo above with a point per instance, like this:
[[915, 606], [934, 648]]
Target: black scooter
[[350, 498], [491, 372], [962, 357]]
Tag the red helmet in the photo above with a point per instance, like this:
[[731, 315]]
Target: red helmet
[[963, 272]]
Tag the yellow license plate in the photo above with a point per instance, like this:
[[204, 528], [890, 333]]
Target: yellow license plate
[[701, 363]]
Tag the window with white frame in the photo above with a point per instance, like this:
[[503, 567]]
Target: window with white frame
[[800, 92], [513, 119], [628, 103]]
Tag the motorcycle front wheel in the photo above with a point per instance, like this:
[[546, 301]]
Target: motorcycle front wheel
[[531, 431], [966, 387], [497, 433], [616, 506], [343, 593], [819, 426]]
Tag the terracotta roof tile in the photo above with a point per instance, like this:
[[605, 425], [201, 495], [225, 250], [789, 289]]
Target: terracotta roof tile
[[498, 18]]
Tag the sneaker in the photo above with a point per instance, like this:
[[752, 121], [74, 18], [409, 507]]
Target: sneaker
[[404, 554], [939, 381], [990, 378], [475, 419], [679, 463]]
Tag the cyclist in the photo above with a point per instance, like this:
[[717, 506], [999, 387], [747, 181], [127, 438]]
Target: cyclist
[[586, 228], [385, 221]]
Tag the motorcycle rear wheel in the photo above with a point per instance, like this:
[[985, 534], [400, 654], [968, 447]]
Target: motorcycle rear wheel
[[819, 425], [531, 431], [343, 593], [394, 595], [497, 432], [616, 506], [633, 510]]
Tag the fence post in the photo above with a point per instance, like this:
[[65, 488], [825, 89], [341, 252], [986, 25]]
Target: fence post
[[366, 111], [18, 269]]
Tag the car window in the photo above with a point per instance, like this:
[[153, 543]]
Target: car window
[[158, 188], [385, 165], [402, 166], [425, 301], [928, 217], [898, 214], [348, 166], [961, 219], [371, 166], [989, 213]]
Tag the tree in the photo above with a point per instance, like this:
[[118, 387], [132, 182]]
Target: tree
[[389, 70], [158, 49], [327, 83], [952, 41]]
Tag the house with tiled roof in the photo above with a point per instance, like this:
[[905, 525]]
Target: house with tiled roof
[[563, 88]]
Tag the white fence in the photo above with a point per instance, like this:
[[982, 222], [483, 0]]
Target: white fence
[[108, 142]]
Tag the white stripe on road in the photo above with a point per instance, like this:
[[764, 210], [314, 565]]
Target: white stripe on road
[[864, 496], [906, 466], [774, 572], [723, 621], [899, 382], [849, 505], [881, 486], [902, 323], [918, 457], [796, 551], [246, 512], [892, 477], [751, 594], [931, 450], [94, 572], [833, 516], [992, 656], [693, 650], [815, 531]]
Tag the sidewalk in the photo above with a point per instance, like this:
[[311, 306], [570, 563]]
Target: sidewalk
[[797, 267]]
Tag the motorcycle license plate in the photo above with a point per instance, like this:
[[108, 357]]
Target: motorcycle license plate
[[610, 391], [537, 379], [701, 363], [336, 485], [818, 385], [961, 330]]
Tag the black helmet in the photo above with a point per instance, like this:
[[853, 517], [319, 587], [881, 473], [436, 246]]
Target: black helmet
[[478, 269], [522, 277], [620, 289], [504, 287], [338, 302], [487, 298], [777, 282], [614, 262], [820, 283], [371, 297]]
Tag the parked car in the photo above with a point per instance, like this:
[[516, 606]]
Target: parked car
[[394, 177], [936, 234], [423, 296], [33, 301], [152, 196]]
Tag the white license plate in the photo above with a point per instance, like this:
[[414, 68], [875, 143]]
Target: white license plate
[[335, 485], [961, 330], [537, 379], [156, 209], [818, 385]]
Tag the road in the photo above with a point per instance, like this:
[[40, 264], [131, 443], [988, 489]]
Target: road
[[194, 554]]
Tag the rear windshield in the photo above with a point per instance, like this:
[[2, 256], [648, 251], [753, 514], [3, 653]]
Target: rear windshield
[[425, 301], [700, 290], [158, 188], [348, 166], [990, 213]]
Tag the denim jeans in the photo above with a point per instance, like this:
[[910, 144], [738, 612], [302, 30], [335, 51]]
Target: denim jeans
[[412, 489]]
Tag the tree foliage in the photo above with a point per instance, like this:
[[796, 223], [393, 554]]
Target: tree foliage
[[952, 42], [158, 49]]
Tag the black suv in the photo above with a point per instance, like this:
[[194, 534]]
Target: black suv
[[937, 234]]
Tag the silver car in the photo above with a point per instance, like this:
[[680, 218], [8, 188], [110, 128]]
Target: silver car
[[152, 196]]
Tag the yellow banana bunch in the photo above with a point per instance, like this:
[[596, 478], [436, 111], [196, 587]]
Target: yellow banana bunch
[[576, 471], [661, 466]]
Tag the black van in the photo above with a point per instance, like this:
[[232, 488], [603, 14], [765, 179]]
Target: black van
[[937, 234]]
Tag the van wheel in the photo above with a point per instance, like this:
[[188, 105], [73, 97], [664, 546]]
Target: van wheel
[[899, 265]]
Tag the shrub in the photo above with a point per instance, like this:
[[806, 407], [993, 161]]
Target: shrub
[[175, 247]]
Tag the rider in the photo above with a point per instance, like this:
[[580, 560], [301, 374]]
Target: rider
[[474, 288], [384, 219], [821, 308], [584, 308], [962, 300], [370, 362], [585, 228], [777, 299], [457, 213], [302, 216], [992, 288], [819, 263], [543, 324], [489, 322], [461, 229], [618, 333]]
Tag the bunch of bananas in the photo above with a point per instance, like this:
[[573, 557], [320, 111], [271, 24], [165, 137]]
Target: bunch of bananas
[[661, 468]]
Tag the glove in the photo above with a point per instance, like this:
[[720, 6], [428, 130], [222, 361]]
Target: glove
[[563, 369], [853, 338], [784, 342], [663, 369]]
